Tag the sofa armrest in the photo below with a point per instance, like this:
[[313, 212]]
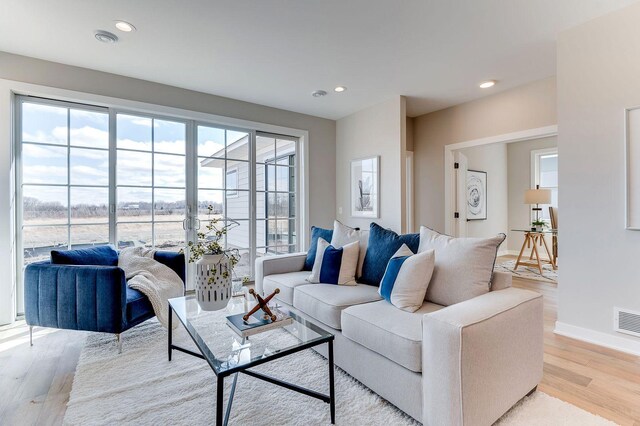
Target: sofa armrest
[[75, 297], [481, 356], [271, 265], [501, 280]]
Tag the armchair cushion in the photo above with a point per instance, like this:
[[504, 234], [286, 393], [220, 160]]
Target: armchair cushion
[[96, 256], [138, 306]]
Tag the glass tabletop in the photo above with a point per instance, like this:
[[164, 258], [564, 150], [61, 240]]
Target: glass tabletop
[[228, 352], [544, 231]]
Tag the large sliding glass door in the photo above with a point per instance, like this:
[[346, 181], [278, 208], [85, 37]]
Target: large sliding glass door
[[90, 175]]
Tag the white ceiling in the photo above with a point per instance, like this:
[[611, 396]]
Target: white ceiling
[[276, 52]]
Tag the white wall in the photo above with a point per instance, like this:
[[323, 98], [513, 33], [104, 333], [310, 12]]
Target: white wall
[[526, 107], [321, 141], [598, 77], [378, 130], [519, 176], [493, 160]]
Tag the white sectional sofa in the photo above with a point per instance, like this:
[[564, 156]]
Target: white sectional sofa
[[464, 364]]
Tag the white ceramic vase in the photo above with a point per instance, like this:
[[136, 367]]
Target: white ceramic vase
[[213, 295]]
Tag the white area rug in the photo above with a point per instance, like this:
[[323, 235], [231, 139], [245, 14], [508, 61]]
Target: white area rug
[[529, 272], [141, 387]]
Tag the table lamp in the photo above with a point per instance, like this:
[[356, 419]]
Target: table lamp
[[537, 196]]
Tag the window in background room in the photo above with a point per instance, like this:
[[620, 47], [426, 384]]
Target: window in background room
[[545, 174], [150, 182]]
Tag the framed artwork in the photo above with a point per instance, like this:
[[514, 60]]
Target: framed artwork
[[365, 187], [476, 195]]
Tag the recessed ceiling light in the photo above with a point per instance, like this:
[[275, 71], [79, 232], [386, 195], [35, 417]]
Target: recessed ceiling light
[[106, 36], [125, 26], [318, 93], [339, 89], [487, 84]]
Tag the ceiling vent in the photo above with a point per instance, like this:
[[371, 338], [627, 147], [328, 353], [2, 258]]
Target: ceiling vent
[[626, 321], [106, 36]]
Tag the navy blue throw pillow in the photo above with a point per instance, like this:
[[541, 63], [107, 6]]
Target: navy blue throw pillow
[[383, 244], [316, 233], [97, 256], [331, 264]]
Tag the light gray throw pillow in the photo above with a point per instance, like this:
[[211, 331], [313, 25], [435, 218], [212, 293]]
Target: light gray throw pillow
[[343, 235], [463, 266]]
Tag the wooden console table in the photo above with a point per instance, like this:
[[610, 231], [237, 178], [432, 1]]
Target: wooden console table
[[533, 239]]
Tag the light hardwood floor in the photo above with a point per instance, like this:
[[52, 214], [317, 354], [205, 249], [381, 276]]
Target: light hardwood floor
[[35, 381]]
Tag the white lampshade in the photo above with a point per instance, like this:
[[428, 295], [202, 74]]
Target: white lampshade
[[537, 196]]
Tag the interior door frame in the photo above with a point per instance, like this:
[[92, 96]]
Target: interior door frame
[[449, 170]]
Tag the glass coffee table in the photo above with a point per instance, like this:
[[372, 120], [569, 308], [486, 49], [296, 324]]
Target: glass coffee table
[[229, 354]]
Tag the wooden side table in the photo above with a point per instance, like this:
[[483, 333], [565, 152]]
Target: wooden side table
[[533, 239]]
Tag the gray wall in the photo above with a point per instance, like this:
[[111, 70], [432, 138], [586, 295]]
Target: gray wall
[[598, 77], [519, 160], [493, 160], [525, 107], [378, 130]]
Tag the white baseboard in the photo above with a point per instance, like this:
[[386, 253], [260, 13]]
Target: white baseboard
[[629, 345]]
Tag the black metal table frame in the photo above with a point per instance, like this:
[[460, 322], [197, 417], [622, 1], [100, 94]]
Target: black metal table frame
[[223, 420]]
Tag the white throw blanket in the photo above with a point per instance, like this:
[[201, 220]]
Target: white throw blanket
[[156, 281]]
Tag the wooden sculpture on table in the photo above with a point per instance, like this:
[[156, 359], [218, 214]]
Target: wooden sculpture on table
[[262, 304]]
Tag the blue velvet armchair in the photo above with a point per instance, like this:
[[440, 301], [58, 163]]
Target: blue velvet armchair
[[87, 297]]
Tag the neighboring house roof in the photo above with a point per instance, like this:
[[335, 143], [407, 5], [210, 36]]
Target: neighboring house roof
[[216, 161]]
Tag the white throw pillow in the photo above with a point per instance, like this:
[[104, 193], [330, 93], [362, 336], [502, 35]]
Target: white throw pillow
[[406, 278], [337, 267], [463, 267], [343, 234]]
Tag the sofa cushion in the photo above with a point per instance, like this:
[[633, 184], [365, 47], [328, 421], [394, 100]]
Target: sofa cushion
[[286, 283], [138, 305], [311, 253], [464, 266], [326, 302], [385, 329], [96, 256], [335, 265], [383, 243]]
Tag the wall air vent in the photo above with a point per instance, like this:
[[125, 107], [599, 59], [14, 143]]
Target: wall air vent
[[626, 321]]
